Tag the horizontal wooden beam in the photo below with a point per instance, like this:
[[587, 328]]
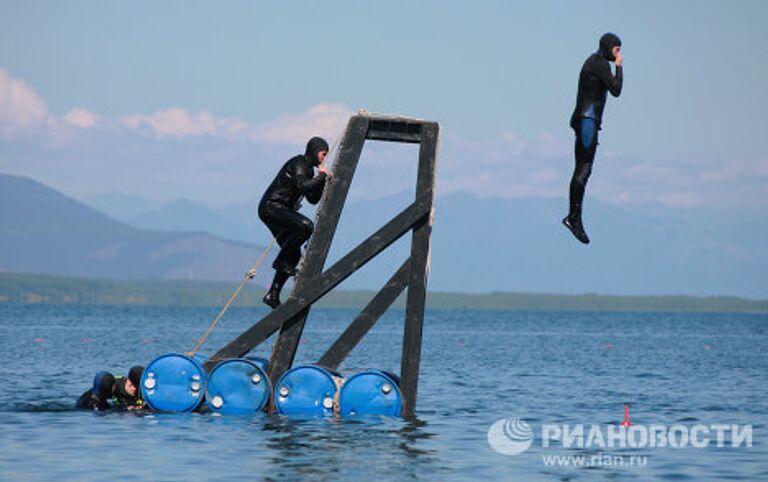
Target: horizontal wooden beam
[[394, 130]]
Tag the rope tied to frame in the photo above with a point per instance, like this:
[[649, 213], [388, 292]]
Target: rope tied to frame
[[249, 275]]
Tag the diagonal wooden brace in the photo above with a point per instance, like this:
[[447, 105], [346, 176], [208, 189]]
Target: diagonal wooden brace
[[412, 217], [348, 340]]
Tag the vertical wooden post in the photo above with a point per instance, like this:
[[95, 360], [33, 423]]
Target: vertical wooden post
[[417, 283]]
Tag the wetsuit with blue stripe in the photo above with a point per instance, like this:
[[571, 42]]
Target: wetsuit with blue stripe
[[595, 81]]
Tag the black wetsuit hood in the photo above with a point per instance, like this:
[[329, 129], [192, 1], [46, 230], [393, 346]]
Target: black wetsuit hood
[[99, 395], [607, 42], [103, 384], [315, 145]]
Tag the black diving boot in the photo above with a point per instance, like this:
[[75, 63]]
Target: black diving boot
[[576, 228], [272, 298]]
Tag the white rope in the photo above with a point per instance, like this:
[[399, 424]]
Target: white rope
[[248, 276]]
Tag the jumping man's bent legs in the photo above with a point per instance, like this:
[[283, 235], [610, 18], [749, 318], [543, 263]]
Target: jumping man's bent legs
[[584, 152]]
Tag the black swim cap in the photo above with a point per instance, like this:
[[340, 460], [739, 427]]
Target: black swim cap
[[607, 42], [315, 145], [134, 375]]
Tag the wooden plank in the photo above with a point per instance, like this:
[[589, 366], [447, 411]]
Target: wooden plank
[[355, 332], [417, 283]]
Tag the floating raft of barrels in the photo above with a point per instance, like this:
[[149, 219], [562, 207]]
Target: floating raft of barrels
[[240, 386]]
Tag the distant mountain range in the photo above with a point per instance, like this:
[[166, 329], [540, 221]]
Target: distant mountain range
[[484, 245], [43, 231], [520, 245], [238, 222], [479, 244]]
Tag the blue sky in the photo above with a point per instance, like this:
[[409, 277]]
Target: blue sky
[[204, 100]]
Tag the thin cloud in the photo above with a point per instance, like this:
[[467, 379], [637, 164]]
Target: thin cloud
[[323, 119], [82, 118], [174, 153], [177, 122], [21, 110], [507, 166], [326, 120], [685, 183]]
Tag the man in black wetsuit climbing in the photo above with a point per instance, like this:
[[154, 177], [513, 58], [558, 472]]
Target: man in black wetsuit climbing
[[595, 80], [279, 210]]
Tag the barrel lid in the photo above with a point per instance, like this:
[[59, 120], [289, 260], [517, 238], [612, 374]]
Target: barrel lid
[[173, 383], [371, 392], [237, 386], [306, 389]]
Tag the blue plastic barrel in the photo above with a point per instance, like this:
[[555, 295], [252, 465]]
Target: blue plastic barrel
[[174, 383], [371, 392], [307, 389], [236, 387]]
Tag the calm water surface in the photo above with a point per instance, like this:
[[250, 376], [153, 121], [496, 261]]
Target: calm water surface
[[477, 367]]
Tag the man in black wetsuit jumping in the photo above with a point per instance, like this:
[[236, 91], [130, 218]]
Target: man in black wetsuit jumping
[[595, 80], [279, 210]]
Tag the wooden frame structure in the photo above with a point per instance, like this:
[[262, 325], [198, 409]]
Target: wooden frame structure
[[313, 282]]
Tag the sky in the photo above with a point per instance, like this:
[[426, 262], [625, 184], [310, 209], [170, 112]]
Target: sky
[[205, 100]]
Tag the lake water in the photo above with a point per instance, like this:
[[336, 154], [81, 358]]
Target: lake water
[[547, 368]]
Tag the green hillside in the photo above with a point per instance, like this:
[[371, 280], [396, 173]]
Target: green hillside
[[31, 288]]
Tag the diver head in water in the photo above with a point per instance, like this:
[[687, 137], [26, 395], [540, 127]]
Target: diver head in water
[[127, 393], [134, 375], [130, 385], [99, 395], [103, 385]]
